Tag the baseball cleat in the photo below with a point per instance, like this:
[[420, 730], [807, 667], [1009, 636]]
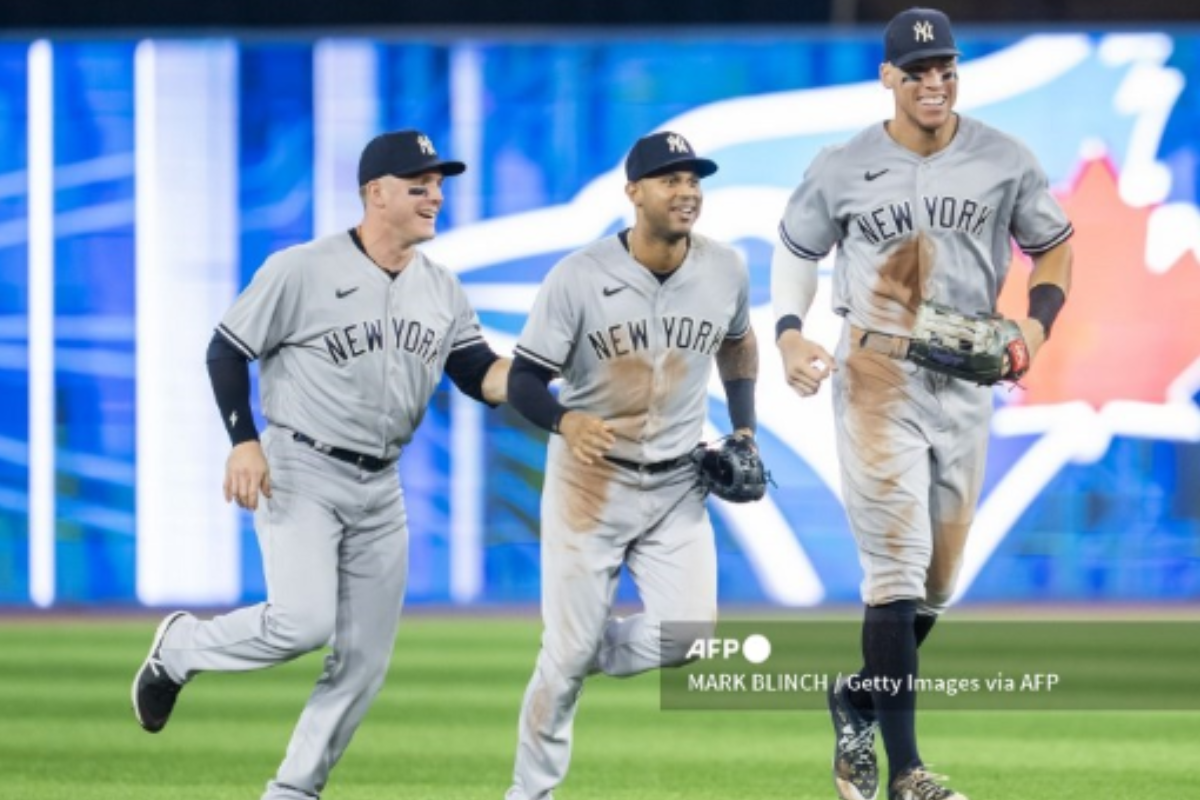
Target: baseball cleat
[[154, 692], [921, 784], [855, 771]]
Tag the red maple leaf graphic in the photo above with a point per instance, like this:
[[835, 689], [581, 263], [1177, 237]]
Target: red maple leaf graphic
[[1125, 332]]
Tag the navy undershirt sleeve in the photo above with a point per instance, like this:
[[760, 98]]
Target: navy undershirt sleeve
[[229, 373], [468, 366], [529, 393]]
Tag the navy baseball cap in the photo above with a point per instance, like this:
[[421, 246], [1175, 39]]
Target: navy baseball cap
[[402, 153], [664, 152], [916, 34]]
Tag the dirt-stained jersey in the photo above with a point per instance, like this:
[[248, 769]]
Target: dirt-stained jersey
[[350, 356], [635, 351], [911, 228]]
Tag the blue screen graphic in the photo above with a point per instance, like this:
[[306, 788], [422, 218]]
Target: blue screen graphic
[[1090, 493]]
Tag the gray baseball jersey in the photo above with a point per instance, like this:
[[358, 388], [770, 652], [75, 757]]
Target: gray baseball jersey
[[354, 354], [349, 356], [956, 210], [912, 443], [636, 352]]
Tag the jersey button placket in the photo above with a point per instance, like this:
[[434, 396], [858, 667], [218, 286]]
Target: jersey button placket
[[922, 226], [653, 415], [390, 354], [922, 183]]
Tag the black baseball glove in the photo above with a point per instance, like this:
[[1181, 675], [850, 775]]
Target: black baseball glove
[[984, 349], [731, 469]]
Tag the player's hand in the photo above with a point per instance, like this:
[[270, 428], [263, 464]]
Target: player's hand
[[1034, 335], [805, 363], [588, 436], [247, 474]]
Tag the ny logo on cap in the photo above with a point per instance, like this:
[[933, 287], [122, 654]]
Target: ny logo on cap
[[923, 31], [426, 146], [677, 144]]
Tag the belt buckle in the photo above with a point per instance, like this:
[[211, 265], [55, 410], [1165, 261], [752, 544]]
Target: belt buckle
[[876, 342], [886, 344]]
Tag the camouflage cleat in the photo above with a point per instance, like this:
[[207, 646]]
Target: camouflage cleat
[[855, 771], [920, 784]]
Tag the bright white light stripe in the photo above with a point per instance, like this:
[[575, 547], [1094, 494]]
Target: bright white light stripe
[[786, 575], [42, 512], [187, 275], [466, 495], [467, 117], [503, 297], [467, 517], [345, 118]]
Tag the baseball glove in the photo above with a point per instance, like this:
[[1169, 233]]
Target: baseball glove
[[982, 349], [731, 469]]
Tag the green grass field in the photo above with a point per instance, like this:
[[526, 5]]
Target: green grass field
[[444, 727]]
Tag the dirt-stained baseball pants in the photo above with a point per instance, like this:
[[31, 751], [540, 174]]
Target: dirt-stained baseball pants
[[594, 519], [912, 445]]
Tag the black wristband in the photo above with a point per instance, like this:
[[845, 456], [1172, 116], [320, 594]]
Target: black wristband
[[788, 322], [1045, 301], [740, 395]]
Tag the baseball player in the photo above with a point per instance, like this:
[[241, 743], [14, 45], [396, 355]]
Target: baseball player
[[354, 331], [631, 323], [922, 207]]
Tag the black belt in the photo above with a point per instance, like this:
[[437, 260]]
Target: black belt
[[652, 468], [369, 463]]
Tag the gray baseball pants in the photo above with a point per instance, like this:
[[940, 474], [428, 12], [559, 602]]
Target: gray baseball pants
[[912, 445], [334, 542], [594, 519]]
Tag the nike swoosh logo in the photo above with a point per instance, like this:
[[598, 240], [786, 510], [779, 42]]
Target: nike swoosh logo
[[346, 292], [873, 175], [610, 292]]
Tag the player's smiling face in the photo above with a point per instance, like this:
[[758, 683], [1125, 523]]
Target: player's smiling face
[[669, 204], [925, 92], [412, 204]]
